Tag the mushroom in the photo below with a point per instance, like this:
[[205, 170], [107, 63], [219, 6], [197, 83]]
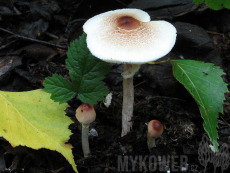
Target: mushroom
[[128, 36], [155, 129], [85, 114]]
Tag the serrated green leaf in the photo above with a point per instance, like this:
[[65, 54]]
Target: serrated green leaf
[[204, 83], [60, 88], [226, 4], [87, 72], [198, 1], [215, 4], [32, 119], [96, 92]]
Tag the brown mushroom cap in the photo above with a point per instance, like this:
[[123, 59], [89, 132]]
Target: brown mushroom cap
[[85, 114], [128, 36], [155, 129]]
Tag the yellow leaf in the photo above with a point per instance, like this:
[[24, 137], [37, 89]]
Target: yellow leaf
[[32, 119]]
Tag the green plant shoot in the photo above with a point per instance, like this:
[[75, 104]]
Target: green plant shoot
[[86, 72]]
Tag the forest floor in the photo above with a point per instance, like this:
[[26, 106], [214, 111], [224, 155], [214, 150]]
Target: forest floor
[[34, 38]]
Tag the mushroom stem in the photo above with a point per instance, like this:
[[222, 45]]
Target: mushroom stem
[[151, 142], [128, 96], [85, 140]]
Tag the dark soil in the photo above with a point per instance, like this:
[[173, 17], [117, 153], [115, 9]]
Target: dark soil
[[34, 38]]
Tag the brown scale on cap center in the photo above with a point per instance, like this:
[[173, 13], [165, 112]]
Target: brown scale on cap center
[[157, 126], [128, 23], [86, 107]]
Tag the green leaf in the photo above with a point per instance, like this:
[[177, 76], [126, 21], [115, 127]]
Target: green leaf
[[198, 1], [87, 72], [215, 4], [226, 4], [96, 92], [61, 89], [32, 119], [204, 83]]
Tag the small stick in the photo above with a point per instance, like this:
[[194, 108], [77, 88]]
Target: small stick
[[51, 35], [224, 121], [16, 11], [215, 33], [6, 45], [34, 40], [168, 60]]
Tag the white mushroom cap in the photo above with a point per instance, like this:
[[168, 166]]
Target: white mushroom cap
[[128, 36]]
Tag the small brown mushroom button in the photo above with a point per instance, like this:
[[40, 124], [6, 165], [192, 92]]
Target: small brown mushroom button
[[155, 130], [85, 114]]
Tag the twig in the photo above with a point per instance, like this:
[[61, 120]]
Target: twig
[[9, 54], [139, 83], [51, 35], [122, 3], [224, 121], [6, 45], [49, 161], [16, 11], [33, 40], [59, 170], [171, 98], [168, 60], [215, 33], [15, 163]]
